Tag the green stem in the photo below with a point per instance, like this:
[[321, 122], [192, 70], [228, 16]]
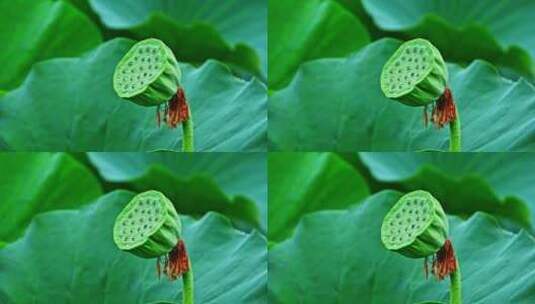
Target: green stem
[[187, 288], [455, 289], [455, 133], [187, 138]]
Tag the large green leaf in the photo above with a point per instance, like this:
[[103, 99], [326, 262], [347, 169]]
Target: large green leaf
[[34, 30], [70, 256], [231, 30], [234, 184], [337, 105], [498, 31], [33, 183], [337, 257], [356, 7], [302, 183], [70, 105], [85, 7], [497, 183], [304, 30]]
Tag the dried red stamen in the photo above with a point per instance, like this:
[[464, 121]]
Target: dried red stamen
[[426, 118], [175, 263], [159, 270], [158, 119], [444, 110], [426, 268], [444, 262], [175, 111]]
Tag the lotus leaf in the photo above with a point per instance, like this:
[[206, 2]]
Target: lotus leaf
[[304, 30], [232, 184], [70, 105], [498, 31], [34, 183], [337, 105], [337, 257], [68, 255], [232, 31], [30, 34], [301, 183]]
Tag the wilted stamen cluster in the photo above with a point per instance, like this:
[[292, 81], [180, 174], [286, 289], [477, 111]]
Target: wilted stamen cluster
[[175, 263], [175, 111], [444, 262], [444, 110]]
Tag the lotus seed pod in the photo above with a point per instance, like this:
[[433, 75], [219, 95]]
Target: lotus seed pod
[[416, 226], [148, 226], [416, 74], [148, 74]]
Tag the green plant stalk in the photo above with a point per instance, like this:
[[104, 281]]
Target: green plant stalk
[[455, 133], [455, 288], [187, 288], [187, 138]]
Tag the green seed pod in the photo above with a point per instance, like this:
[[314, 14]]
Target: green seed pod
[[148, 226], [416, 74], [416, 226], [148, 74]]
